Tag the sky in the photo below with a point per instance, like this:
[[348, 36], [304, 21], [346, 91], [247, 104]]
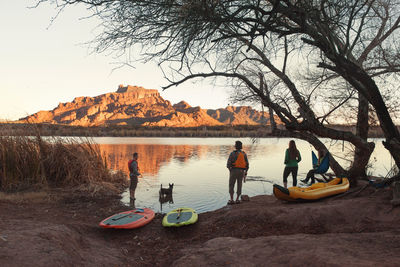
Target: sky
[[43, 63]]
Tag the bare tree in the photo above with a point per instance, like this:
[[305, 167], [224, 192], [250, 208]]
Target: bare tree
[[357, 39], [255, 43]]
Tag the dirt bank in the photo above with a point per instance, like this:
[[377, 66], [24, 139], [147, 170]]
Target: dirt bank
[[359, 228]]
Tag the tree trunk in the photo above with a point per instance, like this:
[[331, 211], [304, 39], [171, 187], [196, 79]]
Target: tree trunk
[[362, 154], [365, 85], [390, 131], [361, 159]]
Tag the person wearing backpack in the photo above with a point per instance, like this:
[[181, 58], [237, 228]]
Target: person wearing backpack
[[238, 166]]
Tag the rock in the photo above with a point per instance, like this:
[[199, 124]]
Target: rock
[[134, 105], [245, 197], [181, 106]]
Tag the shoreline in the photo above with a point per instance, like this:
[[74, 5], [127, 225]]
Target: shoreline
[[358, 228], [234, 131]]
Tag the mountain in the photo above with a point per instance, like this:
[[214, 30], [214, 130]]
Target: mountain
[[132, 105]]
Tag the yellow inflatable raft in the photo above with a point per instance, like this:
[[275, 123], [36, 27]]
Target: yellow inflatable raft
[[314, 192]]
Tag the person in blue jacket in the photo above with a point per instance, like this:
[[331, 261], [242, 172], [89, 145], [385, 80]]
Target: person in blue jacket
[[311, 173]]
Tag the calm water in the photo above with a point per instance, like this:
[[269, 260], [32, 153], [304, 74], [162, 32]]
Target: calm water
[[197, 167]]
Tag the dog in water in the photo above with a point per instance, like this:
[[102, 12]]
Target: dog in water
[[166, 198], [166, 191]]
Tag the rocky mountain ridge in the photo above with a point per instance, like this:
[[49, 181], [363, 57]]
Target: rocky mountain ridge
[[133, 105]]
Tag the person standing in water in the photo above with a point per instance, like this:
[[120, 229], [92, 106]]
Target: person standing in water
[[133, 175], [292, 158], [238, 166]]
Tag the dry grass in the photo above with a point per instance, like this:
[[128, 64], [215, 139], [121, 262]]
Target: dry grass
[[32, 163]]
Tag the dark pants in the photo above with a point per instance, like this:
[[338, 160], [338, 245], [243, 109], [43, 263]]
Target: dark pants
[[310, 175], [236, 175], [134, 181], [289, 170]]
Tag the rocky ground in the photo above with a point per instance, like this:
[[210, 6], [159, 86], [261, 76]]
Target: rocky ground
[[358, 228]]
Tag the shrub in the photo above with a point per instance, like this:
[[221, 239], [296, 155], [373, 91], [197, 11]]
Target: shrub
[[32, 162]]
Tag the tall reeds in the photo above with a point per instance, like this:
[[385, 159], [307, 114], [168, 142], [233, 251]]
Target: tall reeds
[[34, 162]]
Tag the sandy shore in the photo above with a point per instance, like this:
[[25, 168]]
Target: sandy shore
[[359, 228]]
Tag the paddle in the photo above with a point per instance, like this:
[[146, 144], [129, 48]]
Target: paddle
[[179, 213]]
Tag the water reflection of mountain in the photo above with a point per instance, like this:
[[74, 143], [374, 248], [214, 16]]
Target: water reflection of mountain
[[153, 156]]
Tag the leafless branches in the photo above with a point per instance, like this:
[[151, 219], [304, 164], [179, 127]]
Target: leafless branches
[[348, 46]]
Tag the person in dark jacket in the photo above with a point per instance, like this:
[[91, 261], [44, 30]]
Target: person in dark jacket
[[292, 158], [238, 166], [133, 174]]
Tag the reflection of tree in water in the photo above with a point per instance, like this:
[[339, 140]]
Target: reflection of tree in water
[[152, 156]]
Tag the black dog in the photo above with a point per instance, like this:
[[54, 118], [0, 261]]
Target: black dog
[[166, 191], [166, 198]]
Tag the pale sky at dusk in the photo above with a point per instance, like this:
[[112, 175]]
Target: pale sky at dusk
[[41, 66]]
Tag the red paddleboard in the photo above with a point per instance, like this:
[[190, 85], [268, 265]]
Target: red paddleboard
[[128, 219]]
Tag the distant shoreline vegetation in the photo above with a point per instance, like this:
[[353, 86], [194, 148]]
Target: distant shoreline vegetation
[[152, 131]]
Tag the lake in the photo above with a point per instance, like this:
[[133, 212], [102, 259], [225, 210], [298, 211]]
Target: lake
[[197, 167]]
